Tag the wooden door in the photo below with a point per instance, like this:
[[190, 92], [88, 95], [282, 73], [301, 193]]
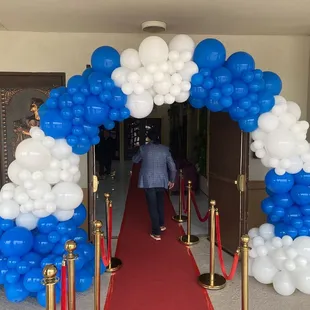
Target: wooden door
[[227, 174]]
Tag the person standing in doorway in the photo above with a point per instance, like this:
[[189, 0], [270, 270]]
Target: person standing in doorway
[[157, 174], [105, 153]]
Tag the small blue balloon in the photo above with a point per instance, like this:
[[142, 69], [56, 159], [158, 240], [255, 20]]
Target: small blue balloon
[[95, 111], [72, 140], [292, 213], [209, 53], [306, 220], [51, 103], [208, 83], [57, 92], [281, 230], [278, 211], [258, 74], [66, 113], [84, 139], [282, 200], [205, 72], [83, 280], [254, 109], [302, 178], [78, 121], [247, 76], [95, 140], [253, 97], [244, 103], [266, 101], [78, 98], [12, 276], [236, 113], [221, 76], [303, 231], [42, 245], [33, 280], [248, 123], [240, 89], [105, 96], [267, 205], [85, 90], [86, 73], [124, 113], [273, 83], [256, 86], [279, 184], [292, 231], [65, 101], [78, 110], [59, 249], [91, 130], [33, 259], [22, 267], [16, 292], [118, 99], [301, 194], [273, 218], [81, 149], [96, 78], [49, 260], [88, 250], [76, 81], [96, 88], [227, 89], [12, 261], [213, 105], [79, 215], [198, 92], [240, 62], [226, 101], [108, 84], [80, 236], [305, 209], [297, 223], [215, 94], [197, 79], [105, 59], [196, 103], [77, 130], [109, 124], [47, 224], [80, 259], [3, 271]]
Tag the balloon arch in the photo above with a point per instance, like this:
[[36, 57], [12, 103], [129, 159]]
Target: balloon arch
[[41, 208]]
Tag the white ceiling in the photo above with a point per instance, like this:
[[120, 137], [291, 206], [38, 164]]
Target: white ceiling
[[282, 17]]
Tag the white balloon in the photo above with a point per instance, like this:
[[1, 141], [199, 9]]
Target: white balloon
[[285, 163], [268, 122], [21, 198], [27, 220], [164, 67], [37, 175], [133, 77], [8, 187], [7, 195], [257, 241], [32, 155], [182, 97], [29, 205], [76, 177], [159, 100], [68, 195], [74, 159], [127, 88], [261, 250], [189, 69], [253, 232], [302, 246], [138, 89], [186, 56], [287, 241], [14, 171], [296, 165], [258, 144], [185, 86], [9, 210], [63, 215], [300, 261], [253, 253], [304, 125], [263, 270], [175, 90], [178, 65], [169, 99], [266, 231], [289, 265], [65, 164], [153, 49], [73, 169], [278, 258], [36, 133], [174, 55], [39, 204], [66, 176], [302, 147], [130, 59], [51, 176], [152, 68], [277, 110], [48, 142], [277, 242], [49, 197], [280, 171], [163, 87], [61, 149], [119, 76], [283, 283], [293, 107], [182, 42], [140, 106], [306, 167], [51, 207], [279, 100], [287, 119], [302, 279], [274, 162], [39, 190], [260, 153], [281, 143], [158, 76], [41, 213], [55, 164], [171, 69], [258, 134], [176, 78], [146, 79]]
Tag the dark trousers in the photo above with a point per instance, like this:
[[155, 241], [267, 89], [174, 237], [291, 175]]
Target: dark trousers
[[155, 201], [105, 166]]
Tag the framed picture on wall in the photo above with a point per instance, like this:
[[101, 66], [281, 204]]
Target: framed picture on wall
[[21, 95]]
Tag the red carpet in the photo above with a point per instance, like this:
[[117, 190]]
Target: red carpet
[[157, 275]]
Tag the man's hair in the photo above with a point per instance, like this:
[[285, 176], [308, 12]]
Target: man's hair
[[153, 136]]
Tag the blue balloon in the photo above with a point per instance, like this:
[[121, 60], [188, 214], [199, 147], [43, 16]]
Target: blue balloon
[[273, 218], [305, 209], [59, 249], [79, 215], [80, 236], [240, 89], [33, 280], [244, 103], [12, 261], [96, 78], [78, 98], [16, 241], [292, 231], [12, 276], [273, 83], [80, 259], [205, 72], [303, 231], [85, 90], [108, 84], [42, 245], [96, 88], [278, 211], [83, 280], [22, 267], [86, 73], [109, 124], [302, 178], [301, 194], [221, 76], [215, 94], [51, 103], [227, 89], [266, 101], [208, 83], [77, 130], [49, 260], [254, 109], [16, 292], [95, 140], [105, 96], [257, 86], [90, 130], [258, 74], [236, 113], [78, 110], [248, 123], [292, 213], [226, 101], [57, 92], [105, 59], [41, 297], [66, 113], [124, 113], [54, 125], [279, 184], [76, 81], [297, 223], [306, 220], [209, 53], [282, 200], [213, 105], [198, 92], [65, 101], [33, 259], [95, 111], [267, 205], [88, 250], [72, 140], [197, 79], [3, 271], [118, 99], [240, 62], [84, 139], [81, 149], [47, 224], [281, 230], [78, 121], [253, 97], [247, 76]]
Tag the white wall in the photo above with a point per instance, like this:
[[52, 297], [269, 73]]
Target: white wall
[[69, 53]]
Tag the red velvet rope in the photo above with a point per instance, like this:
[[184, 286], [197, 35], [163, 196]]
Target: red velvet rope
[[184, 200], [104, 256], [201, 219], [110, 234], [63, 279], [220, 252]]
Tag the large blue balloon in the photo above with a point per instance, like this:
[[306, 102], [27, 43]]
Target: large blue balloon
[[283, 200], [240, 62], [33, 280], [301, 194], [83, 280], [273, 83], [279, 184], [42, 245], [95, 111], [105, 59], [16, 292], [16, 241], [79, 215], [266, 101], [209, 53]]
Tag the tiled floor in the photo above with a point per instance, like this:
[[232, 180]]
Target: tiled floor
[[262, 297]]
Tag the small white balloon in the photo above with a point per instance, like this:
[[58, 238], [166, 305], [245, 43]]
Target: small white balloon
[[178, 65], [133, 77], [65, 175], [8, 187], [186, 56], [37, 176], [7, 195], [76, 177], [296, 165], [119, 76], [158, 76], [29, 205], [287, 119], [49, 197], [48, 142], [277, 242], [9, 210], [61, 149], [175, 90], [159, 100], [268, 122], [127, 88], [169, 99], [14, 171], [258, 134], [289, 265], [174, 55], [74, 159], [293, 107], [39, 204], [287, 241], [130, 59], [52, 176], [302, 279], [257, 241], [41, 213], [266, 231], [283, 283], [279, 100], [253, 232], [182, 97], [63, 215], [51, 207], [36, 133], [300, 261], [285, 163], [258, 144], [189, 69], [39, 190], [260, 153], [73, 169], [176, 78], [27, 220], [164, 67], [138, 89], [152, 68], [140, 106], [21, 198], [262, 250], [185, 86]]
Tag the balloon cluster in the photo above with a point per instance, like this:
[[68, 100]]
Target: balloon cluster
[[288, 204], [89, 100], [280, 140], [158, 73], [24, 254], [283, 262], [233, 86], [44, 177]]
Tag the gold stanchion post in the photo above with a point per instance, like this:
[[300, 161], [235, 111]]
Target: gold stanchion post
[[212, 280], [50, 279], [189, 239], [245, 271], [114, 263], [70, 247], [179, 218], [98, 234]]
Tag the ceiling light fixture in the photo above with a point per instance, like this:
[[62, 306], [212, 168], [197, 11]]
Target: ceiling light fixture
[[154, 26]]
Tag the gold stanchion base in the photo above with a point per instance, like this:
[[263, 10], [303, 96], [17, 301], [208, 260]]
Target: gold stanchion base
[[189, 240], [116, 264], [179, 219], [219, 281]]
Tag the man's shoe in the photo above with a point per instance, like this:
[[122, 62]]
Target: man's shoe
[[155, 237]]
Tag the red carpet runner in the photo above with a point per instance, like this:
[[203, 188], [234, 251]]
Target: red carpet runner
[[157, 275]]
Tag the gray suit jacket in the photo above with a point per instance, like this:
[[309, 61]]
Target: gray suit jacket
[[158, 167]]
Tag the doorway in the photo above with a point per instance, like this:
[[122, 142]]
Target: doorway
[[135, 133]]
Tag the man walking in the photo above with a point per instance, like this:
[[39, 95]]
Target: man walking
[[157, 174]]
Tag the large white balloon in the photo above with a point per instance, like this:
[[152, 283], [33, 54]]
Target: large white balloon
[[283, 283], [302, 246], [181, 43], [293, 107], [27, 220], [266, 231], [302, 279], [130, 59], [153, 49], [32, 155], [68, 195], [140, 106], [263, 270]]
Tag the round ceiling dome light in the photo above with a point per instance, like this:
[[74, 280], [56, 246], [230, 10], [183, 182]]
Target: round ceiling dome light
[[154, 26]]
